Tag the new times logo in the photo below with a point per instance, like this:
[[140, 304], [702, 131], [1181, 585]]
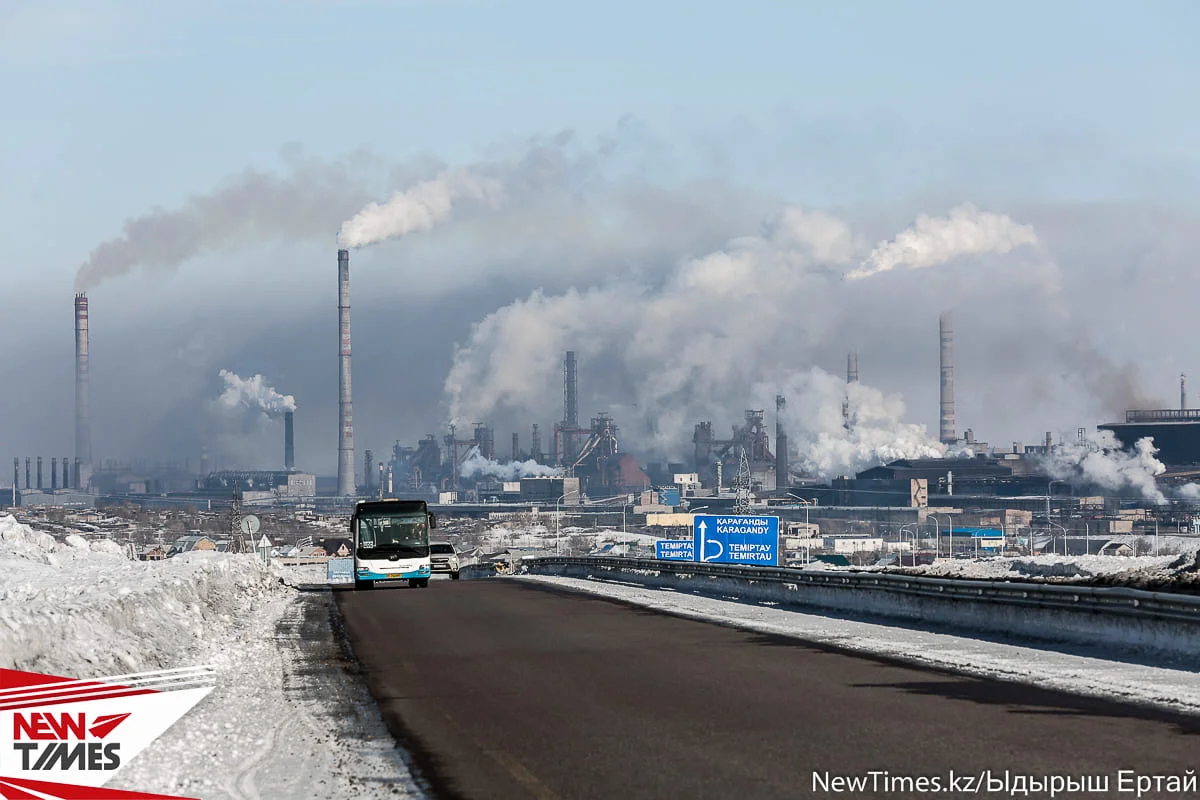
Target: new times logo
[[49, 741], [64, 738]]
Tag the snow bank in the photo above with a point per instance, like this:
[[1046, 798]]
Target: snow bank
[[85, 610], [1043, 566], [23, 542]]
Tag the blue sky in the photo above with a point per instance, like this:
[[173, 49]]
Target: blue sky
[[118, 106], [875, 110]]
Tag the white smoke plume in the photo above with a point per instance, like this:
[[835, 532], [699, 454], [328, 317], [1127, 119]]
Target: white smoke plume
[[819, 436], [1102, 462], [476, 466], [309, 198], [254, 393], [418, 208], [1190, 491], [250, 209], [689, 345], [930, 241]]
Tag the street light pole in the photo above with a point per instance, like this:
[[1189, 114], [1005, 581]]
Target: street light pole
[[557, 526], [912, 531], [1049, 495], [1064, 530], [807, 529]]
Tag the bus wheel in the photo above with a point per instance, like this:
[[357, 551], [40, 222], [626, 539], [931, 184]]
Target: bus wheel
[[363, 584], [422, 582]]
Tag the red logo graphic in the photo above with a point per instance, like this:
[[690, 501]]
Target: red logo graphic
[[54, 725]]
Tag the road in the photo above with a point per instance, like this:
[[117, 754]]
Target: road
[[508, 690]]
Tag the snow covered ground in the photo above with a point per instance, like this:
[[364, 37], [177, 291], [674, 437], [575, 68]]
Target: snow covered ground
[[287, 718], [1043, 566], [1156, 573], [1177, 689]]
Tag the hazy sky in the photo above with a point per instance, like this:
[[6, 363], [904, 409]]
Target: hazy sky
[[693, 123]]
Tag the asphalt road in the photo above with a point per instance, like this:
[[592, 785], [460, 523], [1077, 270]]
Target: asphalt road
[[508, 690]]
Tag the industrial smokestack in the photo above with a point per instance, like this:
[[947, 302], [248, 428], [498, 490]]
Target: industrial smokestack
[[570, 392], [852, 368], [39, 472], [16, 473], [83, 405], [516, 448], [535, 445], [781, 445], [27, 472], [368, 469], [66, 473], [946, 326], [345, 410], [53, 473], [1182, 392], [289, 440]]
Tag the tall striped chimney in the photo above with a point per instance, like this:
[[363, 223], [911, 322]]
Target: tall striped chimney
[[83, 404], [782, 477], [346, 486], [946, 329], [289, 440]]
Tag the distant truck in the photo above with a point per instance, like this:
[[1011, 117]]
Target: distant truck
[[391, 542]]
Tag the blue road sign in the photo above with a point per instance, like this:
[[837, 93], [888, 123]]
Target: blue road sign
[[675, 550], [736, 539], [340, 570]]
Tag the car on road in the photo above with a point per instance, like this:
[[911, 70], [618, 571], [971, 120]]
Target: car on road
[[444, 558]]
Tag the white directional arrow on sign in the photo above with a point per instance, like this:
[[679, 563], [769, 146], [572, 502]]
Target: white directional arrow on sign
[[703, 527]]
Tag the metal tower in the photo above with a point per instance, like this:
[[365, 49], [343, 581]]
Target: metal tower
[[741, 485], [237, 542]]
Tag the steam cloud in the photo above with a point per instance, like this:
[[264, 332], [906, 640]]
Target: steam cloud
[[1103, 463], [248, 210], [476, 466], [828, 447], [419, 208], [254, 393], [931, 241], [690, 345], [312, 197]]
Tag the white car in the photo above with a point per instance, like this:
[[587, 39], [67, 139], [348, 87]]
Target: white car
[[444, 558]]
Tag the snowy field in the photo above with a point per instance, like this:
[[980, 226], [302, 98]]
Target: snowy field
[[285, 721], [1176, 689]]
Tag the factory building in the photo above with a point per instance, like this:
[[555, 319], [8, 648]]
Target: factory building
[[550, 490], [59, 498], [258, 484], [716, 460], [1176, 433]]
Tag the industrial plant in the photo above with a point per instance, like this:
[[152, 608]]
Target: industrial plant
[[734, 465]]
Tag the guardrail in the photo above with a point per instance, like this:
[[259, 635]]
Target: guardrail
[[1160, 621]]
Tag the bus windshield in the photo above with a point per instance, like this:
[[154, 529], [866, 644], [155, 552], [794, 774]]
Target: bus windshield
[[393, 534]]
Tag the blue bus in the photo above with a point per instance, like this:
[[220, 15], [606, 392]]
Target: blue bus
[[391, 542]]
